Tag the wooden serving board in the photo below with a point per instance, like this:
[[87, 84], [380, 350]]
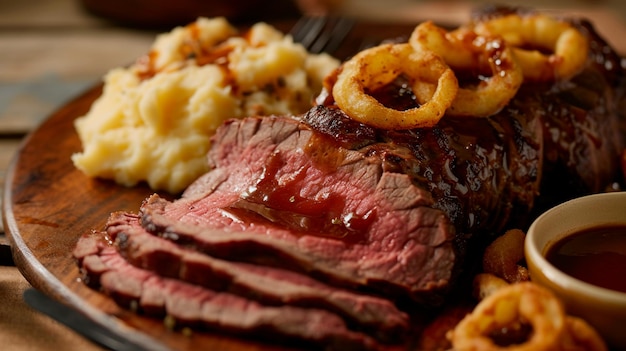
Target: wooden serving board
[[49, 204]]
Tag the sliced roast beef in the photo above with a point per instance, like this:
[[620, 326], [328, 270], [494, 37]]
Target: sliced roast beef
[[270, 286], [192, 305], [282, 190]]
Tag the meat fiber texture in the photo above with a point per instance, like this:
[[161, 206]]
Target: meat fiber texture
[[340, 214], [193, 305], [328, 211], [273, 286]]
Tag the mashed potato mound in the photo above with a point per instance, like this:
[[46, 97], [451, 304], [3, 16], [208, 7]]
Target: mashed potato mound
[[154, 120]]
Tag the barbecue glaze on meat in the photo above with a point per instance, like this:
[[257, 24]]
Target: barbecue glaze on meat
[[372, 215]]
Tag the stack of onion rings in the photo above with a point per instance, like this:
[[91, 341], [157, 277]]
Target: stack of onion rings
[[495, 50]]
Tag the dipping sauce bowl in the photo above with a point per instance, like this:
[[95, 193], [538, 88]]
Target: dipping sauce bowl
[[603, 308]]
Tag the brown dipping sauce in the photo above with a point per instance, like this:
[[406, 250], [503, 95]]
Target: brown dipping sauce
[[596, 255]]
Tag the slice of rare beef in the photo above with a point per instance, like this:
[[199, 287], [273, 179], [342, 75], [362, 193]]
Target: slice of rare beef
[[270, 286], [198, 307], [279, 190]]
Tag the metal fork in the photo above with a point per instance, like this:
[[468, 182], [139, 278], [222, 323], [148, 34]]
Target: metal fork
[[321, 33]]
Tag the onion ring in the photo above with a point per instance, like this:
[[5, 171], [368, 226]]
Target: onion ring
[[581, 336], [516, 303], [465, 50], [568, 45], [375, 67]]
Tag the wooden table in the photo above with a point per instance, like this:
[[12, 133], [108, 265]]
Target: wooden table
[[51, 50]]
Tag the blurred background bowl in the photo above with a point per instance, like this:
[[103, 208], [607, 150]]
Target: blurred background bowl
[[163, 14], [602, 308]]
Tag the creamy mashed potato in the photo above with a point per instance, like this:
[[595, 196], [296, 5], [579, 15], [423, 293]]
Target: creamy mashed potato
[[154, 120]]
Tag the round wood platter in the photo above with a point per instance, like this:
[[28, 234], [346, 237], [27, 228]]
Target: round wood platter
[[48, 204]]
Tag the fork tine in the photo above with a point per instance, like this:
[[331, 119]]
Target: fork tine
[[333, 36], [307, 29], [321, 33]]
